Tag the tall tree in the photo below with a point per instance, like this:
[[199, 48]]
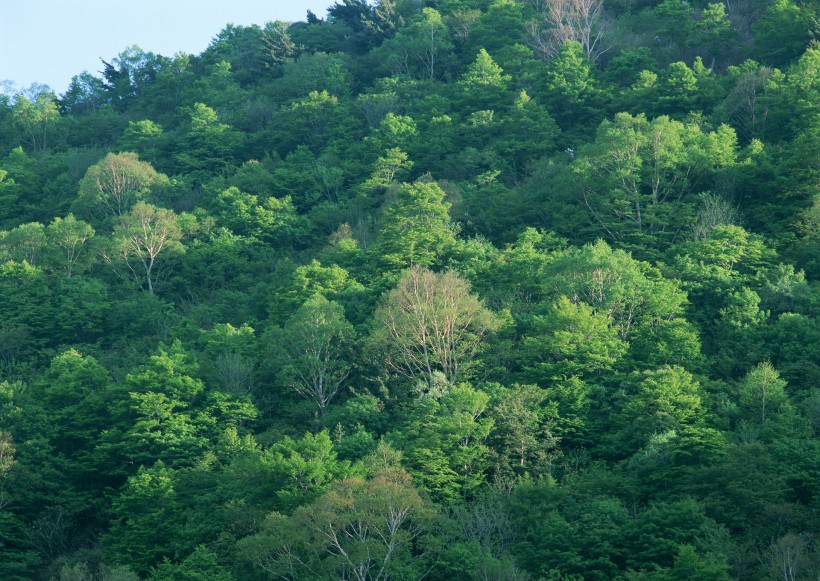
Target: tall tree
[[416, 228], [317, 341]]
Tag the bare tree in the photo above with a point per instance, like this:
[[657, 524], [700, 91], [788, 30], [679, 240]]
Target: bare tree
[[431, 322], [235, 373], [714, 211], [562, 21]]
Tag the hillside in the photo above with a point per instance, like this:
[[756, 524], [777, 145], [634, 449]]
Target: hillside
[[442, 289]]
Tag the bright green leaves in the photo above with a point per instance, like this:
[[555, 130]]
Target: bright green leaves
[[638, 175], [483, 72], [37, 122], [445, 442], [421, 49], [571, 340], [784, 32], [762, 393], [633, 293], [67, 239], [416, 228], [142, 239], [663, 400], [272, 220], [77, 392], [208, 145], [174, 417], [297, 471]]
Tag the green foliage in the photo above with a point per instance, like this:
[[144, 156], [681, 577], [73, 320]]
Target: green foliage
[[603, 215], [317, 341], [571, 340], [143, 524], [416, 227], [111, 187], [273, 221]]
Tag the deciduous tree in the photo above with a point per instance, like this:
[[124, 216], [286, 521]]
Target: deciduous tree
[[432, 323]]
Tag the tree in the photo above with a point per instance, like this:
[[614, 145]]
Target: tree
[[271, 220], [665, 399], [484, 73], [762, 391], [144, 522], [68, 254], [571, 88], [111, 187], [432, 323], [363, 530], [141, 236], [76, 391], [278, 44], [416, 226], [316, 341], [562, 21], [24, 243], [521, 440], [715, 29], [570, 340], [421, 48], [633, 293], [445, 439], [201, 565], [638, 175], [208, 146], [36, 122]]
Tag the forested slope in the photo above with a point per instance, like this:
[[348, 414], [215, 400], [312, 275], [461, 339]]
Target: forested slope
[[453, 289]]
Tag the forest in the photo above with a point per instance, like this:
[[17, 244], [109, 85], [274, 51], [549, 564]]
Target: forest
[[420, 289]]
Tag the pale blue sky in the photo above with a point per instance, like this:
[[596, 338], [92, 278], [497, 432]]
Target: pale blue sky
[[50, 41]]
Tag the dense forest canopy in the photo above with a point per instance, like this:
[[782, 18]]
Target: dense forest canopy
[[440, 289]]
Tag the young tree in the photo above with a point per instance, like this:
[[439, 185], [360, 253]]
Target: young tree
[[141, 236], [762, 391]]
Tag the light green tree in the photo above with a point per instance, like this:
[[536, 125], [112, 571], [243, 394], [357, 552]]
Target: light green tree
[[141, 238], [67, 239], [112, 186], [762, 391], [416, 227]]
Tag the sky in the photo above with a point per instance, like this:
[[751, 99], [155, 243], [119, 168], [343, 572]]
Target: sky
[[50, 41]]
